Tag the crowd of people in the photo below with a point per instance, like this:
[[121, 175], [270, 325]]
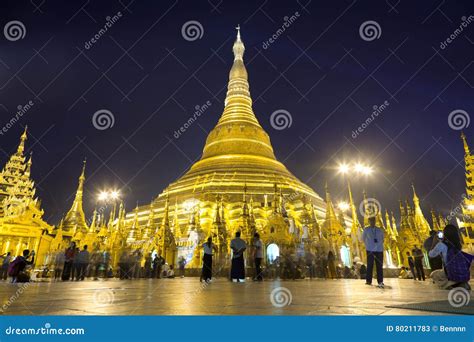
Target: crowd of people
[[449, 265]]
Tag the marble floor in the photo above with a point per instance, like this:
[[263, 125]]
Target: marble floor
[[186, 296]]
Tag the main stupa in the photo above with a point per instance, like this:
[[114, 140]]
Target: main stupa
[[238, 184]]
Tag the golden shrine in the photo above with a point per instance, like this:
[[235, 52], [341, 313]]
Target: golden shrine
[[237, 185], [21, 217]]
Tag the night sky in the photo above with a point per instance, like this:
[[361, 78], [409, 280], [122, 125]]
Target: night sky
[[320, 70]]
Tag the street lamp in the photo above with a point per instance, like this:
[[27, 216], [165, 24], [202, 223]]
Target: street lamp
[[108, 195], [344, 206], [343, 168]]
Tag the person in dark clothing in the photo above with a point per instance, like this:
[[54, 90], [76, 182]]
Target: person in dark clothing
[[436, 263], [411, 264], [7, 258], [69, 255], [237, 270], [208, 248], [418, 255], [19, 265], [458, 264]]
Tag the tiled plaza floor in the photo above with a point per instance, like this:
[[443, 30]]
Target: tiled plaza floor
[[186, 296]]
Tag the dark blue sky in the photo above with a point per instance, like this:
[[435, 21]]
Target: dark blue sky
[[320, 70]]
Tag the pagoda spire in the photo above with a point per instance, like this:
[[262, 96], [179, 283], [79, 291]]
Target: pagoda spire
[[238, 130], [21, 146], [75, 218], [466, 146]]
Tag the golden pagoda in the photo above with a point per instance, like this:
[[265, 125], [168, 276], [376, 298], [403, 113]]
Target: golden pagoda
[[468, 204], [237, 185], [74, 223], [21, 223]]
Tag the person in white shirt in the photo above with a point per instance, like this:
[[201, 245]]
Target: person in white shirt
[[439, 248], [373, 237]]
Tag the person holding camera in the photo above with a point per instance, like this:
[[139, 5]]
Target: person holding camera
[[373, 237], [457, 264]]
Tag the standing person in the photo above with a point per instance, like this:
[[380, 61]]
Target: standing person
[[74, 263], [238, 247], [69, 255], [82, 263], [58, 264], [208, 247], [7, 258], [182, 265], [373, 238], [411, 264], [258, 256], [309, 262], [418, 255], [331, 261], [148, 262]]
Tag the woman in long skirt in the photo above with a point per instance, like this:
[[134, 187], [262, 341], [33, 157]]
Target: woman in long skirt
[[208, 247], [238, 246]]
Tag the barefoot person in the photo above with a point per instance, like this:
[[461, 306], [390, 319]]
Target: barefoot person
[[238, 246], [373, 239]]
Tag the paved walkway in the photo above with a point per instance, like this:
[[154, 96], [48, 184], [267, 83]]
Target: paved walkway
[[186, 296]]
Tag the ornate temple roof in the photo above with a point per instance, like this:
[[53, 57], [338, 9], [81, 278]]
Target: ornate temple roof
[[16, 186]]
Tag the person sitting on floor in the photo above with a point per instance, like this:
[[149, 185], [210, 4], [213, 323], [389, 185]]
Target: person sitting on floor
[[457, 263]]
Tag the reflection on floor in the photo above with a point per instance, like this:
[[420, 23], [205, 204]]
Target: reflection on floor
[[186, 296]]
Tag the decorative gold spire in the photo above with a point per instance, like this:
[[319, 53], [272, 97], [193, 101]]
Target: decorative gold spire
[[75, 219], [466, 146], [238, 130], [21, 146]]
